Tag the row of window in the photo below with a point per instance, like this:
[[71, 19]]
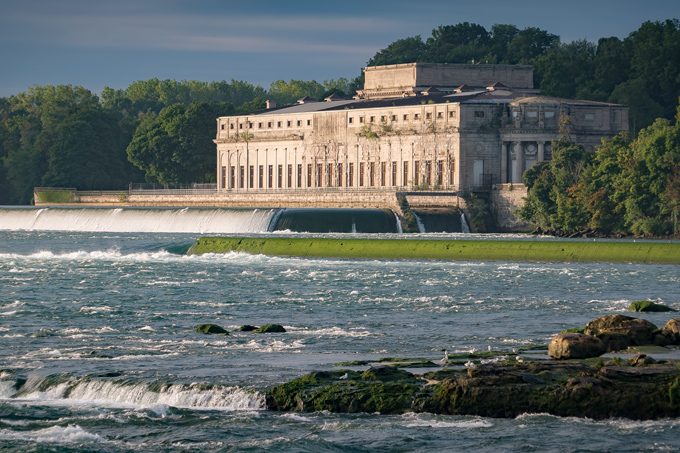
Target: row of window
[[266, 124], [371, 174], [395, 118]]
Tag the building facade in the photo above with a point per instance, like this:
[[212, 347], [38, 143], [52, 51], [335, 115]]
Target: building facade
[[413, 127]]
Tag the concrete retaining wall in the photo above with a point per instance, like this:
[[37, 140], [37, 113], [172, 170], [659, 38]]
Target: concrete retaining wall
[[505, 200]]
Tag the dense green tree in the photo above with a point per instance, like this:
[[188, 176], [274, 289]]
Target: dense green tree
[[176, 145], [528, 44], [288, 92], [406, 50], [566, 70], [460, 43]]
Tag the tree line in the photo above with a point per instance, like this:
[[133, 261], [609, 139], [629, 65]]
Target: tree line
[[161, 130]]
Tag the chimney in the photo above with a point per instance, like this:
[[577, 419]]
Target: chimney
[[270, 104]]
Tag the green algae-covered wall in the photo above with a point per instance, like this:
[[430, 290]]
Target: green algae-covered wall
[[452, 249]]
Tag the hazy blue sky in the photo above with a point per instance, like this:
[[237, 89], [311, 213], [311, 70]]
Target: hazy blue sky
[[112, 43]]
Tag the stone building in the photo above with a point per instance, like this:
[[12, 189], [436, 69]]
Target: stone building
[[414, 126]]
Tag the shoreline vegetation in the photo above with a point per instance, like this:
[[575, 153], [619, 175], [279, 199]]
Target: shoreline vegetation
[[448, 250]]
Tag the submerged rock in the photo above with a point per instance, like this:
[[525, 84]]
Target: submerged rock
[[648, 306], [645, 391], [575, 346], [618, 332], [270, 328], [210, 329]]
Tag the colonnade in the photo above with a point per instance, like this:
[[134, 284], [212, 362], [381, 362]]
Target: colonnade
[[519, 156]]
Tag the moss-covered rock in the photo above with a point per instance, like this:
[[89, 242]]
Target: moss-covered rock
[[247, 328], [648, 306], [575, 346], [270, 328], [618, 332], [210, 329], [646, 390]]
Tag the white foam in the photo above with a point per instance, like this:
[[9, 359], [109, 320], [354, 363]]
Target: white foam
[[140, 395], [137, 220], [425, 420], [330, 332], [7, 389], [70, 434]]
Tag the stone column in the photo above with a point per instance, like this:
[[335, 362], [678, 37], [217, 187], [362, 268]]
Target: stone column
[[504, 163], [517, 162], [541, 151]]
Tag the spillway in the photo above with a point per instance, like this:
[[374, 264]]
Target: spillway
[[143, 220]]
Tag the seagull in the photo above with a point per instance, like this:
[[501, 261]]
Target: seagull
[[344, 376], [444, 360]]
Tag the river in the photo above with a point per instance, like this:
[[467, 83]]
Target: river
[[100, 324]]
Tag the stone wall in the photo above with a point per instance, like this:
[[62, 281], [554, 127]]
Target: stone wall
[[505, 200]]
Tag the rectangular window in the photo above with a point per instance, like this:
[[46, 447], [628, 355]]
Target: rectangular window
[[231, 126], [361, 119], [260, 176], [452, 114], [309, 122], [329, 175], [221, 127], [269, 125], [394, 117], [589, 116], [287, 123], [361, 174], [440, 115], [259, 125], [319, 175], [404, 182], [351, 120], [532, 114], [224, 177], [383, 119], [416, 173], [405, 117], [250, 125], [251, 176], [428, 172], [440, 172], [290, 176], [270, 176], [241, 176], [299, 175], [428, 115], [372, 119], [279, 124], [232, 177], [452, 170], [339, 175], [309, 175], [299, 123], [416, 116], [350, 175], [240, 126], [549, 115], [394, 174], [371, 174], [383, 173], [279, 176]]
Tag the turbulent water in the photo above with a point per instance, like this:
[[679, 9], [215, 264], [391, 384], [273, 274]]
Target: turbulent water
[[97, 348]]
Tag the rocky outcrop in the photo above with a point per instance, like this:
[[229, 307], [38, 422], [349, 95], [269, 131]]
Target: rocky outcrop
[[648, 306], [643, 391], [618, 332], [671, 331], [247, 328], [575, 346], [210, 329], [270, 328]]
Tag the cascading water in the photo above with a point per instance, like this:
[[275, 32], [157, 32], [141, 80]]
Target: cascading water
[[143, 220], [465, 228], [419, 222]]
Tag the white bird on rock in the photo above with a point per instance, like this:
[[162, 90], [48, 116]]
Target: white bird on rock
[[444, 360]]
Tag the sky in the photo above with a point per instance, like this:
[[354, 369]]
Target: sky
[[96, 43]]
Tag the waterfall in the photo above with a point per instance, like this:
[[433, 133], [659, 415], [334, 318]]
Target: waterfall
[[464, 227], [142, 220], [419, 222], [399, 229]]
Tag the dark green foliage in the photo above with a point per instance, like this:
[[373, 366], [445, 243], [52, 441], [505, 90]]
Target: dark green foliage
[[210, 329], [479, 213], [176, 146], [625, 187]]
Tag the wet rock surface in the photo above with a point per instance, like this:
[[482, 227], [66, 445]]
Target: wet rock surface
[[575, 346]]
